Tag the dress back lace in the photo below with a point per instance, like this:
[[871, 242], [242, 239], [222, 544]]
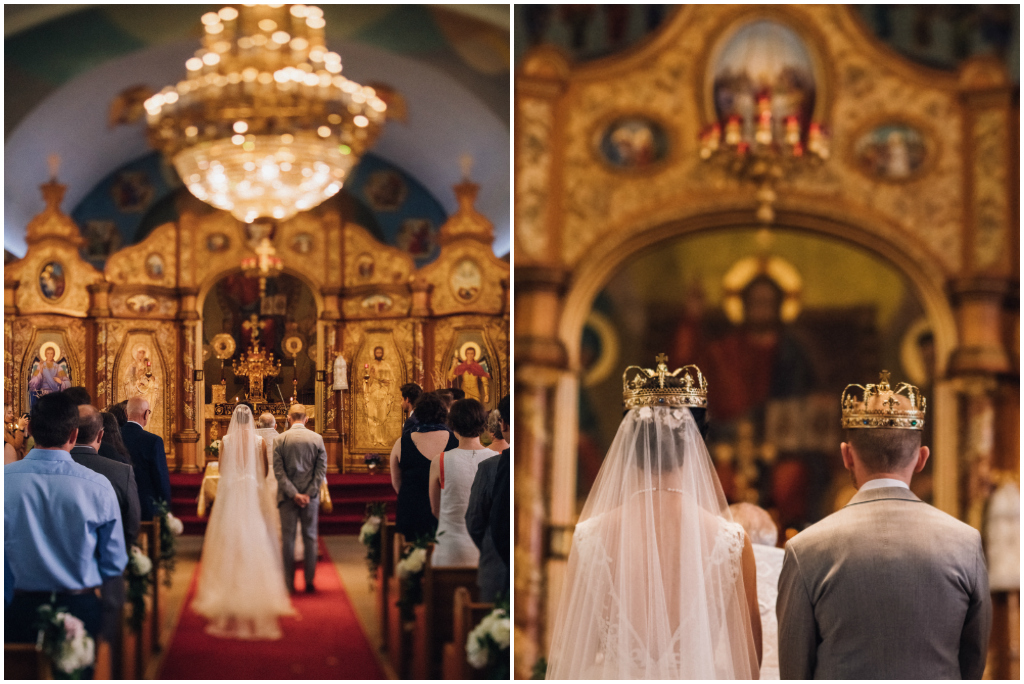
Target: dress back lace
[[653, 588]]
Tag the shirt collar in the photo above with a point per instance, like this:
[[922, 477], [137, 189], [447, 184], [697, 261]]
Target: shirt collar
[[297, 425], [883, 482], [137, 423], [49, 455]]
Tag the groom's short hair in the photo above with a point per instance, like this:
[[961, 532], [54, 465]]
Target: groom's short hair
[[297, 411], [884, 450]]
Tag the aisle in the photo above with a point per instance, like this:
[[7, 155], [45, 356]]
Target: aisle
[[325, 642]]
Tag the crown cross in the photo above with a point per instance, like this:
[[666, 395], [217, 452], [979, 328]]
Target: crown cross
[[663, 388], [880, 406]]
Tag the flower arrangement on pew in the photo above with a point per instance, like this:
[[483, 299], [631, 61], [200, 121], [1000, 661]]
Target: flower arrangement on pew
[[64, 641], [371, 536], [410, 570], [214, 449], [487, 646], [139, 577], [171, 528]]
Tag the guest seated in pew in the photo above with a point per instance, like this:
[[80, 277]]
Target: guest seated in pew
[[451, 479], [410, 466], [91, 431], [112, 446], [492, 576], [63, 534]]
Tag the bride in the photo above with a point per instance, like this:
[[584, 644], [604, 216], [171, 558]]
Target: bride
[[660, 582], [241, 581]]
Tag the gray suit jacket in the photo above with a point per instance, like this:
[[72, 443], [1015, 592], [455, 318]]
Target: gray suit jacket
[[122, 476], [886, 588], [492, 571], [300, 463]]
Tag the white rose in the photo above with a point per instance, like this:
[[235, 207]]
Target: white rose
[[500, 632], [476, 654], [76, 654], [403, 568], [73, 627], [175, 525], [141, 565], [373, 523], [646, 413]]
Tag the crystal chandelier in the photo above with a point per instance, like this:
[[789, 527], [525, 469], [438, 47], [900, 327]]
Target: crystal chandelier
[[264, 125], [762, 154]]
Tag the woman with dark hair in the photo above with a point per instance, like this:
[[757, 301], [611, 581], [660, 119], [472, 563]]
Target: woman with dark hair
[[118, 411], [112, 446], [451, 481], [410, 465]]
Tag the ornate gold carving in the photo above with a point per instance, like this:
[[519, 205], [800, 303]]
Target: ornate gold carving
[[129, 265], [598, 202], [445, 296], [536, 120], [990, 209], [386, 264]]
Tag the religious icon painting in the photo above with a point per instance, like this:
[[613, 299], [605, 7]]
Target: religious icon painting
[[890, 152], [102, 239], [302, 243], [217, 242], [139, 371], [633, 143], [140, 303], [763, 60], [378, 303], [386, 190], [365, 266], [51, 281], [466, 280], [468, 368], [131, 191], [155, 266], [49, 371], [418, 237], [378, 373]]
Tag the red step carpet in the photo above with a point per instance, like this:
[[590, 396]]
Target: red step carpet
[[325, 642]]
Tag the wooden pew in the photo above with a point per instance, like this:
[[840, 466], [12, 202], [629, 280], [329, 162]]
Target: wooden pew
[[397, 639], [466, 615], [151, 531], [434, 619], [385, 571], [23, 661], [137, 648]]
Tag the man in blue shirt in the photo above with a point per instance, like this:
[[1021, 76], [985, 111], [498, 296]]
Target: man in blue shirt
[[62, 526]]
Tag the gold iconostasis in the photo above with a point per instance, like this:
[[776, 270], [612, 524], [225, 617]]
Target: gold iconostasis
[[776, 195], [176, 320]]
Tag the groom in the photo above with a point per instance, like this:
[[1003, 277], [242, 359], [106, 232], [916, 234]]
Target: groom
[[300, 465], [887, 587]]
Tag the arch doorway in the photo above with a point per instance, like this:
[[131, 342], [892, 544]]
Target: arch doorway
[[842, 305]]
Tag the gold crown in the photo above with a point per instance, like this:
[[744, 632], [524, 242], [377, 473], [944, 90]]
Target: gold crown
[[881, 406], [684, 386]]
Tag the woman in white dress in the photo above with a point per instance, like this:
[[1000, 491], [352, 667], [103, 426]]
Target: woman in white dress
[[451, 480], [660, 582], [241, 581]]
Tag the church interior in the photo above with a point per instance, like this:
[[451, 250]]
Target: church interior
[[149, 252], [794, 198]]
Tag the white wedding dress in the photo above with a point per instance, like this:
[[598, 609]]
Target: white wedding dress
[[654, 587], [241, 577]]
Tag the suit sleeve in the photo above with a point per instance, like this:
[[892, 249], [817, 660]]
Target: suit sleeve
[[478, 513], [162, 479], [284, 485], [320, 470], [798, 631], [133, 516], [978, 623]]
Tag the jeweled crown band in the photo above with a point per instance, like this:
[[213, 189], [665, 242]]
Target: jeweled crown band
[[881, 406], [682, 388]]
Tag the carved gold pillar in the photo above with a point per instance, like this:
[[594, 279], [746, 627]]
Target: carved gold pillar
[[187, 439], [11, 393], [419, 310], [332, 397], [540, 360], [97, 361]]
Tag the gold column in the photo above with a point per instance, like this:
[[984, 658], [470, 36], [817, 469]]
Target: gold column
[[540, 361], [187, 439], [96, 356], [332, 398]]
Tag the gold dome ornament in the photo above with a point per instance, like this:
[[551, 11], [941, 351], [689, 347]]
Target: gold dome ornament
[[881, 406], [661, 388]]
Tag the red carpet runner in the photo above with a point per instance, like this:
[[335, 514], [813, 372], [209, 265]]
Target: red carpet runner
[[327, 642]]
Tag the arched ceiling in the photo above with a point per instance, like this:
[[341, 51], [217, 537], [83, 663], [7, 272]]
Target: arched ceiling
[[446, 64]]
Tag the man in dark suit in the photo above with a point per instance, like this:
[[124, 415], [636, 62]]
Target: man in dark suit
[[501, 523], [122, 477], [493, 571], [410, 393], [148, 457]]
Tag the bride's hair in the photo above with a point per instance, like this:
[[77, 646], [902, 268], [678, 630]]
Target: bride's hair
[[243, 416], [646, 436]]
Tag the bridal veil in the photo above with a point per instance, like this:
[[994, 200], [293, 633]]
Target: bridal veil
[[241, 576], [653, 587]]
